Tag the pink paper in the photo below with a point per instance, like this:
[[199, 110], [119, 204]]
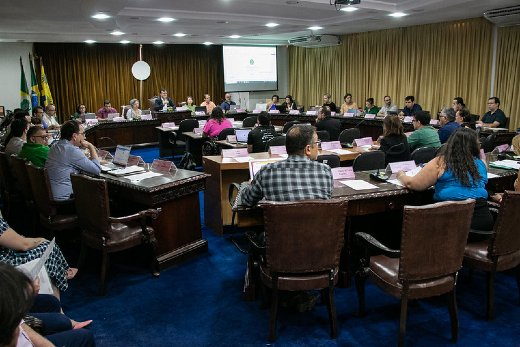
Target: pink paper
[[482, 155], [198, 130], [349, 114], [91, 121], [231, 138], [146, 116], [133, 160], [161, 165], [434, 121], [311, 113], [168, 125], [294, 112], [325, 146], [181, 109], [233, 153], [343, 172], [365, 141], [118, 119], [257, 111], [333, 113], [408, 165], [274, 111], [370, 116], [241, 110], [278, 150], [408, 119], [502, 148]]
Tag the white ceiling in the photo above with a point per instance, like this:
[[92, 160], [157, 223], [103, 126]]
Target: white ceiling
[[216, 20]]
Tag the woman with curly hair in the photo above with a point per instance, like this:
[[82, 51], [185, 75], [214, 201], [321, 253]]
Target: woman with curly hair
[[458, 173], [216, 122]]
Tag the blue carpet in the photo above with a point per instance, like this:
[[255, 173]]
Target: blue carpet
[[199, 303]]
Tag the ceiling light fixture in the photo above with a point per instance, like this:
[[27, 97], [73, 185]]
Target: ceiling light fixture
[[117, 33], [179, 35], [315, 28], [397, 14], [272, 25], [90, 41], [101, 16], [349, 9], [124, 42], [207, 43], [158, 42], [234, 36], [166, 19]]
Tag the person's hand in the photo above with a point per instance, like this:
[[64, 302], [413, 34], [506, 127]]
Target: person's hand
[[104, 162], [497, 197], [400, 173], [86, 144], [36, 286], [479, 122], [37, 241]]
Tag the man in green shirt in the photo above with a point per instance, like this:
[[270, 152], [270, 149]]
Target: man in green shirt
[[35, 149], [424, 135]]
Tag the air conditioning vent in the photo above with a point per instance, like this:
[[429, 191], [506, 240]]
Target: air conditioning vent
[[315, 41], [504, 16]]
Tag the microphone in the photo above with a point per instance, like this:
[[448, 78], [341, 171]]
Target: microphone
[[107, 138], [360, 122]]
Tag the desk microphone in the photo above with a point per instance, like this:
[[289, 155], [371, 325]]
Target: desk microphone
[[358, 124], [107, 138], [379, 176]]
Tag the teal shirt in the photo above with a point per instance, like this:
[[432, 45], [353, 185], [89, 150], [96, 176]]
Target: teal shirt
[[425, 137], [372, 110]]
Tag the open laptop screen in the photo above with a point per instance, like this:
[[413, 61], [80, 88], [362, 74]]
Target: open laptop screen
[[242, 134], [121, 155], [200, 109]]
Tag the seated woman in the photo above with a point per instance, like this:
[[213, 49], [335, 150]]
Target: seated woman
[[348, 104], [465, 119], [80, 112], [289, 104], [393, 135], [17, 250], [216, 122], [134, 112], [275, 101], [458, 173], [190, 105], [370, 108]]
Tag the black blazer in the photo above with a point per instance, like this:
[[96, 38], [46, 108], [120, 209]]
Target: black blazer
[[159, 104]]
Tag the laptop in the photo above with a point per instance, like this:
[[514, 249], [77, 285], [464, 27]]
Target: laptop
[[112, 116], [120, 159], [201, 109], [145, 112], [242, 135], [233, 108], [88, 116]]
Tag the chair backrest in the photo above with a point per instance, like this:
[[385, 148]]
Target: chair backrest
[[489, 143], [92, 206], [507, 233], [275, 141], [433, 239], [23, 177], [41, 188], [225, 132], [6, 177], [289, 124], [249, 121], [399, 152], [372, 160], [124, 110], [423, 155], [323, 135], [349, 135], [296, 243], [151, 104], [331, 160], [186, 126]]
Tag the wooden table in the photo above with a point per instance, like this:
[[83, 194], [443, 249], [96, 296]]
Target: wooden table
[[178, 227]]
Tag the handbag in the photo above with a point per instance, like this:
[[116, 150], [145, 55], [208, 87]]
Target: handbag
[[187, 162], [211, 147]]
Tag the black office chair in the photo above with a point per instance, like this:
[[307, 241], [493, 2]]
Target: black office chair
[[423, 155], [288, 125], [275, 141], [349, 135], [372, 160], [331, 160], [225, 132], [177, 139], [323, 135], [489, 143], [249, 122], [399, 152]]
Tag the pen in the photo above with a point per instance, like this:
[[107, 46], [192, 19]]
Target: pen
[[421, 164]]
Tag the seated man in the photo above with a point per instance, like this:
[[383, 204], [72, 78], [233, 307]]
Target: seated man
[[388, 106], [259, 137], [49, 117], [448, 124], [36, 148], [299, 177], [37, 113], [424, 134], [102, 113], [210, 105], [275, 101], [495, 117], [411, 107], [163, 101], [330, 125], [65, 157], [225, 105], [18, 138]]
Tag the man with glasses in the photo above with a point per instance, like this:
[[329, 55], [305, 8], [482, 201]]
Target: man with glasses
[[48, 117], [37, 112], [495, 117], [424, 134], [36, 148], [383, 111], [66, 157], [448, 124]]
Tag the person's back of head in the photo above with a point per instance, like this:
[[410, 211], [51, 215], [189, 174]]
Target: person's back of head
[[450, 113], [325, 111], [392, 125], [217, 114], [423, 117], [68, 129], [32, 132], [264, 118], [21, 114], [18, 127], [297, 138]]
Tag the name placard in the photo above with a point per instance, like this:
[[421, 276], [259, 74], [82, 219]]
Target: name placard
[[311, 113], [502, 148], [365, 141], [408, 165], [118, 119], [278, 150], [202, 123], [181, 109], [257, 111], [133, 160], [434, 121], [294, 112], [370, 116], [161, 165], [325, 146], [349, 115], [343, 172], [102, 154], [408, 119], [231, 138], [231, 120], [241, 110], [168, 125], [200, 113], [233, 153], [197, 130], [91, 121], [333, 113], [274, 111], [146, 116]]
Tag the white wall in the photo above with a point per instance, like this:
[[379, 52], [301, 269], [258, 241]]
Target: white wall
[[10, 53]]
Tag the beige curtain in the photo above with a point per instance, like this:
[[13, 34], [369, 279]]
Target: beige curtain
[[435, 63], [507, 74]]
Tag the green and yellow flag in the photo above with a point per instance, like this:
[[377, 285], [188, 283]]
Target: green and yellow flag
[[35, 91], [46, 97], [25, 99]]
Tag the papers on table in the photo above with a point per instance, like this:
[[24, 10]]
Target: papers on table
[[492, 175], [142, 176], [126, 171], [506, 164], [243, 159], [414, 172], [359, 185], [396, 182], [340, 151]]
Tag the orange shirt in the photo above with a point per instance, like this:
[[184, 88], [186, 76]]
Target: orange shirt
[[209, 107]]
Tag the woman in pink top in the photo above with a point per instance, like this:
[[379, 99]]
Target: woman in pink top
[[215, 123]]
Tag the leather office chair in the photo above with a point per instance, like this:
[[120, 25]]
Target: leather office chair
[[177, 139], [349, 135], [275, 141], [423, 155], [224, 133], [11, 193], [25, 186], [489, 143], [289, 124], [399, 152], [54, 215], [125, 109], [323, 135], [501, 251], [331, 160], [151, 103], [249, 122], [432, 246], [369, 161], [105, 233], [299, 258]]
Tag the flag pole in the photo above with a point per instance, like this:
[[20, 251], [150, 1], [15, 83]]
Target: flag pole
[[141, 81]]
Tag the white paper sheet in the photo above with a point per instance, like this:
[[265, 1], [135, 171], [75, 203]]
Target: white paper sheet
[[243, 159], [359, 185], [396, 182], [414, 172], [142, 176], [340, 151], [492, 175]]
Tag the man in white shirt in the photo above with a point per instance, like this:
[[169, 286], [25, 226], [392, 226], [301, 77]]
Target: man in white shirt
[[383, 111], [48, 117]]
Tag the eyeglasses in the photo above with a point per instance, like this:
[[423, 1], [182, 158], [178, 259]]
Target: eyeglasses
[[317, 143], [45, 137], [83, 133]]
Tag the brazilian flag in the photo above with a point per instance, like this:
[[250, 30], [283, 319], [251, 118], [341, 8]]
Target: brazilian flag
[[35, 92], [25, 100]]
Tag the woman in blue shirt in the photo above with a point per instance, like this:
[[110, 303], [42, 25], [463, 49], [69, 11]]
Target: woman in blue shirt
[[458, 173]]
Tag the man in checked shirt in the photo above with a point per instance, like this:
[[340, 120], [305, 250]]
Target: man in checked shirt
[[299, 177]]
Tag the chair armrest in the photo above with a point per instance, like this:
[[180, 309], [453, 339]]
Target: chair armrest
[[63, 202], [232, 187], [252, 237], [481, 232], [142, 214], [370, 242]]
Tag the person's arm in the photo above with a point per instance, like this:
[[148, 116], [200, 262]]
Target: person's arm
[[206, 129], [517, 182], [426, 178], [413, 140], [12, 240], [80, 162], [36, 339], [252, 194], [380, 112]]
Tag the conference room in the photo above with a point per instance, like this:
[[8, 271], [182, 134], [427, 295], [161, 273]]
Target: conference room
[[186, 280]]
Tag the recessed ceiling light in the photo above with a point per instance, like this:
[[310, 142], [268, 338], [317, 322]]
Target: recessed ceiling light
[[157, 42], [90, 41], [207, 43], [234, 36], [397, 14], [101, 16], [166, 19], [315, 28], [124, 41], [272, 25], [349, 9], [117, 33], [179, 34]]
